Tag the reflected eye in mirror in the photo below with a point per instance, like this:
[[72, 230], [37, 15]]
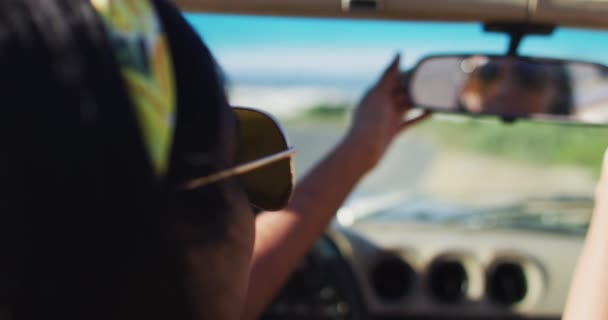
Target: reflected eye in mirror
[[533, 76], [489, 72]]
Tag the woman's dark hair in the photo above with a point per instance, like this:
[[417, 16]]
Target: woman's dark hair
[[87, 231]]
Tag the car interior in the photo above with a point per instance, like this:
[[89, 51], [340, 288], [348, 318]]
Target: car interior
[[477, 251]]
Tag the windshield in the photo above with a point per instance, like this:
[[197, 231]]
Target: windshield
[[452, 169]]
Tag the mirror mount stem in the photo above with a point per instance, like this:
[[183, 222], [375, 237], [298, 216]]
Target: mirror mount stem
[[515, 41], [517, 31]]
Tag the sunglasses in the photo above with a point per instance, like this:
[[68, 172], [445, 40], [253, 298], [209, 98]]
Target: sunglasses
[[527, 75], [264, 161]]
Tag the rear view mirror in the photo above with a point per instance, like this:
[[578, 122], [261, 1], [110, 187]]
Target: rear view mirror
[[512, 87]]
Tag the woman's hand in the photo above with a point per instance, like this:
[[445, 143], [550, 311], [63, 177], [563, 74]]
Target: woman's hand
[[379, 118], [588, 295], [283, 238]]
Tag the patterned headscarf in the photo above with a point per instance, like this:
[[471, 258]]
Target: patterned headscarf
[[142, 51]]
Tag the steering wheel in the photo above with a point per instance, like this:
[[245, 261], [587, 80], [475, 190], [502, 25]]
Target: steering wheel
[[323, 287]]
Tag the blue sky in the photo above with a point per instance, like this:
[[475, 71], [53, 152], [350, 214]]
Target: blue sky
[[275, 49]]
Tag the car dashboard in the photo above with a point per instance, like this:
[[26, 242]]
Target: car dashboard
[[426, 271]]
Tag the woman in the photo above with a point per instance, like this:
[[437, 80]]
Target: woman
[[112, 112]]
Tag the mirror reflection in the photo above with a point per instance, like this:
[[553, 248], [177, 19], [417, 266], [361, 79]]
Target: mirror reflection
[[514, 87]]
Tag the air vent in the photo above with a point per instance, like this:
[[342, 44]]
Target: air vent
[[507, 284], [392, 278], [448, 281]]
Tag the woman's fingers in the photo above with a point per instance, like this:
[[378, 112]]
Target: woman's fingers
[[391, 75], [410, 122], [401, 101]]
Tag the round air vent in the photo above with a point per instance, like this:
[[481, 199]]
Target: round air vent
[[392, 278], [448, 281], [507, 284]]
